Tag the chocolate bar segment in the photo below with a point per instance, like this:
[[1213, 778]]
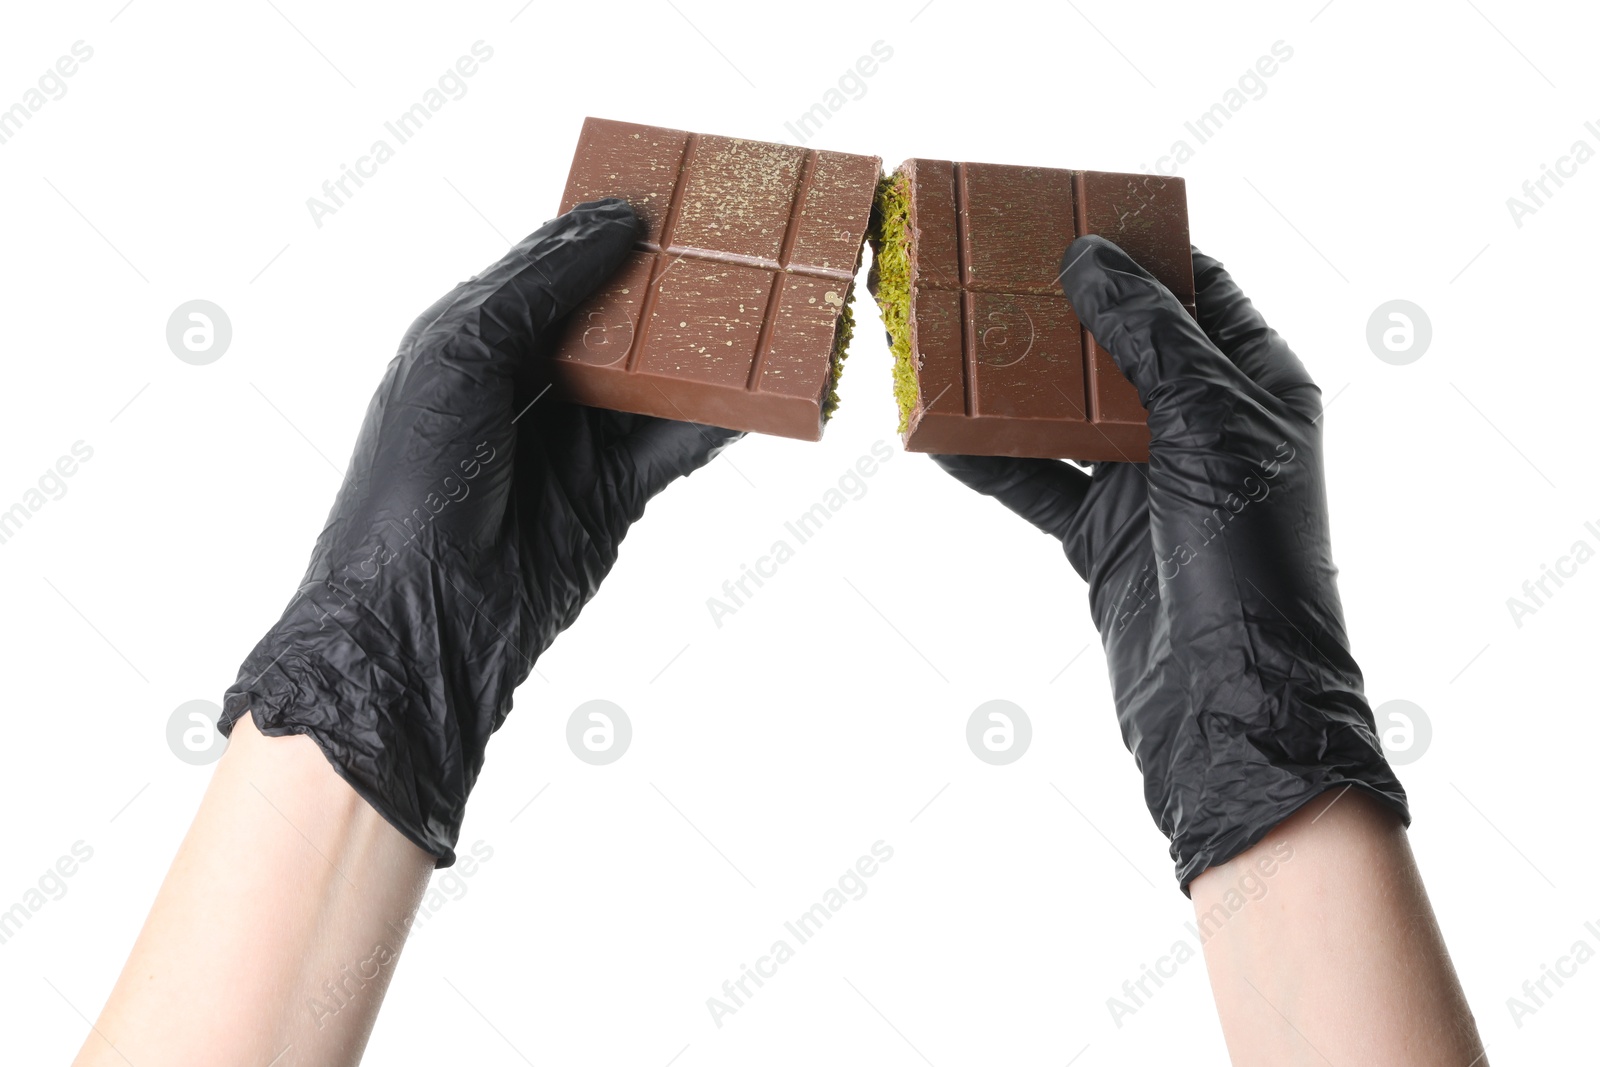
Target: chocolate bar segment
[[990, 357], [734, 308]]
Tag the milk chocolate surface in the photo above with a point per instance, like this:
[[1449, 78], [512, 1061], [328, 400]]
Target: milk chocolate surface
[[1002, 365], [731, 309]]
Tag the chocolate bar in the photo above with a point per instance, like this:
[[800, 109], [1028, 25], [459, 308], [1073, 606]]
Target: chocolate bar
[[733, 309], [990, 358]]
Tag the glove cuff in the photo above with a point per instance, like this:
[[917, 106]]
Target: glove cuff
[[396, 737], [1237, 778]]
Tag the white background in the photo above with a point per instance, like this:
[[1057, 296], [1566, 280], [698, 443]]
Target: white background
[[829, 711]]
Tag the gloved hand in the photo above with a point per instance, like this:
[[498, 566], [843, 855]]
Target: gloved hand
[[1211, 576], [476, 519]]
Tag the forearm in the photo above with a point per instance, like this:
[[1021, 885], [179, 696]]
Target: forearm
[[1322, 946], [278, 925]]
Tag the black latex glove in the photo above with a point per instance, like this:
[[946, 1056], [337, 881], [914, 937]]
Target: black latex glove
[[1211, 576], [475, 520]]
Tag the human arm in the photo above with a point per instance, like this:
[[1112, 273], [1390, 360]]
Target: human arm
[[276, 931], [475, 520], [1335, 956]]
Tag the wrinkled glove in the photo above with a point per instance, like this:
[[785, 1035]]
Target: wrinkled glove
[[1211, 576], [476, 519]]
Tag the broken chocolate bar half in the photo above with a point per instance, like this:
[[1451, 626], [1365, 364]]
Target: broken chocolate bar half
[[733, 309], [990, 358]]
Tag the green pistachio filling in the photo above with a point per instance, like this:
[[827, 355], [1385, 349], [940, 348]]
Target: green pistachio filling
[[890, 231]]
